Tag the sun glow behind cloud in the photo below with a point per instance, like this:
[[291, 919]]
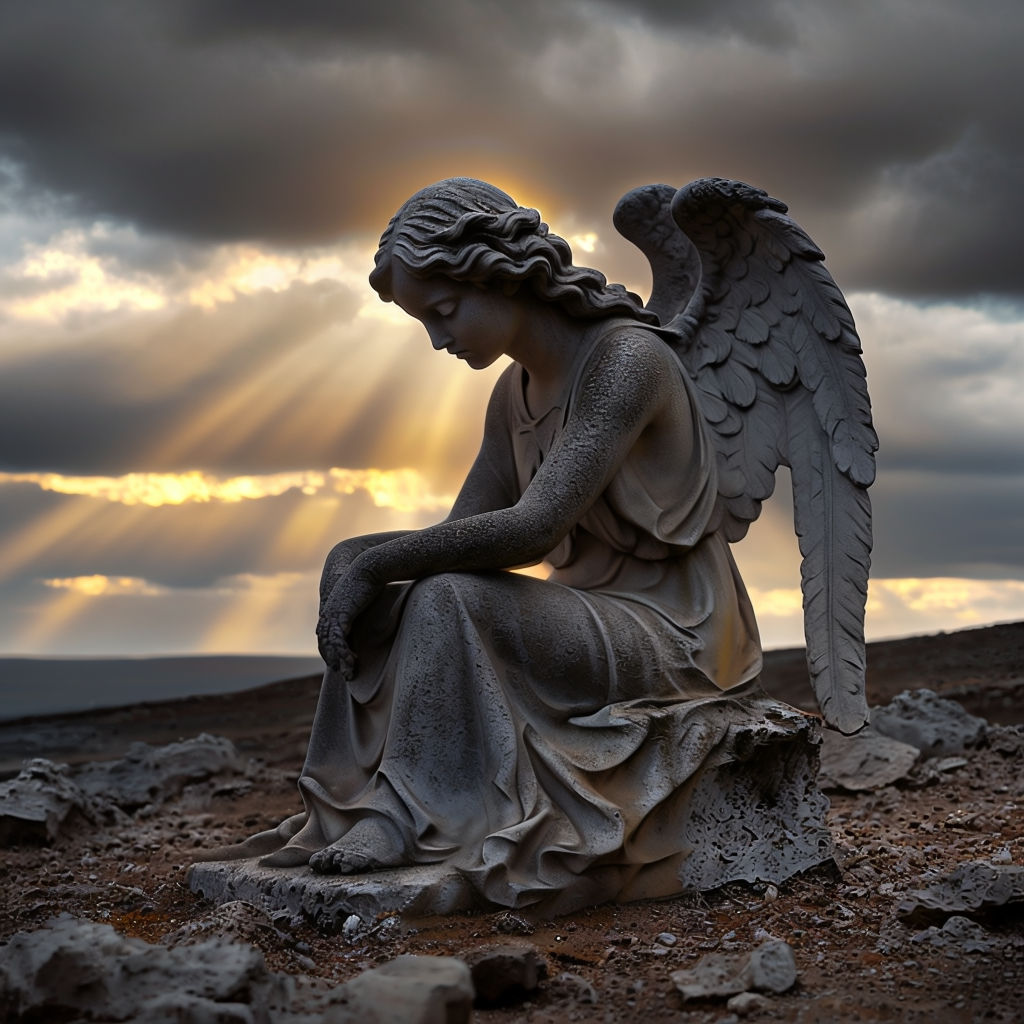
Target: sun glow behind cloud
[[416, 411], [406, 490]]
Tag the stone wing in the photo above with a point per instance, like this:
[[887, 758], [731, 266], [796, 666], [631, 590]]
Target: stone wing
[[776, 362]]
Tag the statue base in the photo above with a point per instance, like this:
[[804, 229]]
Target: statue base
[[758, 817], [328, 900]]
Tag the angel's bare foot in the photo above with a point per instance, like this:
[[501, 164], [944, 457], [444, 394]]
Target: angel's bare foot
[[257, 845], [370, 845], [286, 857]]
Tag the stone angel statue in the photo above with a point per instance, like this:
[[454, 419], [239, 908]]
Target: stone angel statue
[[600, 734]]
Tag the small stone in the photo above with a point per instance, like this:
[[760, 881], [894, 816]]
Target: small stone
[[507, 974], [352, 927], [772, 967], [769, 968], [666, 939], [577, 988], [413, 990], [747, 1003]]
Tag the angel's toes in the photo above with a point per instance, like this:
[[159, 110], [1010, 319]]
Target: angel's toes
[[369, 845], [335, 861]]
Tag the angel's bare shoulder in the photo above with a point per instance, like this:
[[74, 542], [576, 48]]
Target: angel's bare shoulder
[[631, 353]]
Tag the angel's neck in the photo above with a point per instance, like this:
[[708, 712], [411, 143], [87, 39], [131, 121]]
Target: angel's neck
[[548, 381]]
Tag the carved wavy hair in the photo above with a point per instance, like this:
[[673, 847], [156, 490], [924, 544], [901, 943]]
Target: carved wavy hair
[[468, 230]]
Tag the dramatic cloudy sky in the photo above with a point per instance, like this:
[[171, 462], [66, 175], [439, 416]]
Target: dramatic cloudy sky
[[199, 394]]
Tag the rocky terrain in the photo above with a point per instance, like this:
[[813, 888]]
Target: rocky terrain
[[921, 918]]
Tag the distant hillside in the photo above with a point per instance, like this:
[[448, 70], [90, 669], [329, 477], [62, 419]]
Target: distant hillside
[[48, 686]]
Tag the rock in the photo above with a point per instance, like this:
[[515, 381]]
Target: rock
[[974, 889], [148, 774], [37, 804], [666, 939], [413, 990], [47, 798], [960, 933], [865, 761], [933, 724], [747, 1003], [75, 969], [506, 974], [769, 968], [575, 988]]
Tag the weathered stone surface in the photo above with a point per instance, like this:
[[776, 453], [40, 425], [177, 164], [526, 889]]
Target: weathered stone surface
[[974, 889], [76, 969], [35, 805], [506, 974], [865, 761], [413, 990], [769, 968], [933, 724], [959, 933], [328, 901], [46, 797], [148, 774], [739, 810]]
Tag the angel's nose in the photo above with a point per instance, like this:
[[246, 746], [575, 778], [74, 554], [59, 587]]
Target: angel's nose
[[439, 338]]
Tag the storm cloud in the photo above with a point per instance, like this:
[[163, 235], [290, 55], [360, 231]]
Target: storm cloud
[[892, 127]]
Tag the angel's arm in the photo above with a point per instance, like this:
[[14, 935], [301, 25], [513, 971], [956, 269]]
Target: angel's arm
[[486, 488], [625, 389]]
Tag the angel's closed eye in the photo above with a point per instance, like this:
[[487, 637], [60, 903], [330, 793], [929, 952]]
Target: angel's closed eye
[[445, 308]]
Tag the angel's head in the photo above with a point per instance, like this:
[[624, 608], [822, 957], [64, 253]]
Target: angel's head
[[470, 231]]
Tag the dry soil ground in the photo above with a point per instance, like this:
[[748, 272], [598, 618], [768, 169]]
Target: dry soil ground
[[857, 961]]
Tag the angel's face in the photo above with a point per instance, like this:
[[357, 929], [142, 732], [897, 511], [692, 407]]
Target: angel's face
[[472, 323]]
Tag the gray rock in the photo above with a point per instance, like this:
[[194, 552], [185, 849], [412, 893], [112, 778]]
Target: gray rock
[[413, 990], [747, 1003], [76, 969], [960, 933], [974, 889], [148, 774], [933, 724], [37, 804], [865, 761], [47, 798], [769, 968], [666, 939], [506, 974], [575, 988]]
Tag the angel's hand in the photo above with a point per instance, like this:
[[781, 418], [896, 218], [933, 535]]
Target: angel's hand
[[350, 595]]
